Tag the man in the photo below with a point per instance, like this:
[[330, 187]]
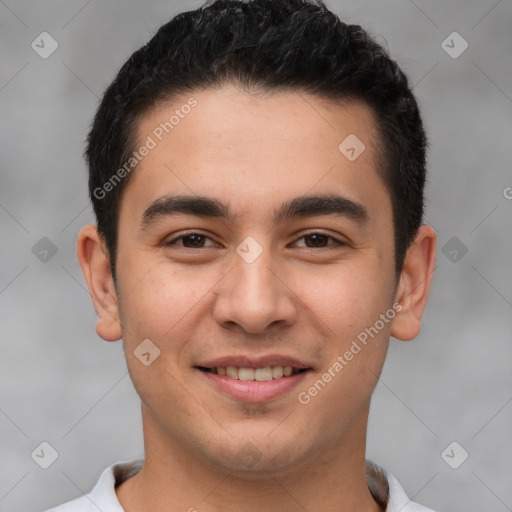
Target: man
[[257, 174]]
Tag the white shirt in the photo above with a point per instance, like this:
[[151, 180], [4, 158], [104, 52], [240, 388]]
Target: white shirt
[[384, 487]]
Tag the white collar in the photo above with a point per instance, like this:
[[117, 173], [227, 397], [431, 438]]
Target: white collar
[[384, 487]]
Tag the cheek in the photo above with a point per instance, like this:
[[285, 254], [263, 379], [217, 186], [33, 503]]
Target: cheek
[[343, 300], [156, 302], [155, 297], [348, 303], [162, 303], [354, 348]]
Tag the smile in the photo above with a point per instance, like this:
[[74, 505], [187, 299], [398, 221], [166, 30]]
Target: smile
[[264, 374], [253, 384]]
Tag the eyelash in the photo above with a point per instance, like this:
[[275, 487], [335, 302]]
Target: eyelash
[[336, 243]]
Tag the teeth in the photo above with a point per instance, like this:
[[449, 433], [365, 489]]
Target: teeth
[[232, 371], [246, 373], [277, 372], [258, 374], [262, 374]]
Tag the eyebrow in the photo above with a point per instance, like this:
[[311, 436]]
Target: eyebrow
[[303, 206]]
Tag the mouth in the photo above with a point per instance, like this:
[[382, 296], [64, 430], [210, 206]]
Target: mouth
[[254, 380], [264, 374]]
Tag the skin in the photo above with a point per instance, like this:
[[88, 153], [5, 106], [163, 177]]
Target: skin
[[254, 152]]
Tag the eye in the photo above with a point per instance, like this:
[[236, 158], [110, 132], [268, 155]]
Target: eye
[[319, 240], [199, 241], [190, 241]]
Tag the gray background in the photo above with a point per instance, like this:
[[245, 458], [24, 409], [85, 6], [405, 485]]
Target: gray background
[[65, 386]]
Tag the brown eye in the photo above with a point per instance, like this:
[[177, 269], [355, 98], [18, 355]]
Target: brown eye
[[319, 240], [195, 240], [190, 241]]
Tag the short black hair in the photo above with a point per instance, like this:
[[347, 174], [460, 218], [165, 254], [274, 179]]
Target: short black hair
[[270, 45]]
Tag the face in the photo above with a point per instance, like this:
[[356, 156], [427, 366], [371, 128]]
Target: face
[[284, 264]]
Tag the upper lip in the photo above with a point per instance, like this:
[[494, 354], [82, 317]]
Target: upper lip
[[255, 362]]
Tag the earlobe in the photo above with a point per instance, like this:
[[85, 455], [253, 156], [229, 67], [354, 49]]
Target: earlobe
[[414, 285], [94, 261]]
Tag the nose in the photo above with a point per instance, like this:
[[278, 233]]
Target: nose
[[254, 297]]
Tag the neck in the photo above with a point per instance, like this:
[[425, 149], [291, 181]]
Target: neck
[[174, 478]]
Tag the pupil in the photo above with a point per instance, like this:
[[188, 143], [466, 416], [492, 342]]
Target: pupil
[[196, 240], [317, 238]]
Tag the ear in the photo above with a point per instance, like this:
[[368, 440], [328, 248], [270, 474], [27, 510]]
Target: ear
[[414, 284], [93, 257]]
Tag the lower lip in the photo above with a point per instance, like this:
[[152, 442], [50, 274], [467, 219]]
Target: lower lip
[[253, 390]]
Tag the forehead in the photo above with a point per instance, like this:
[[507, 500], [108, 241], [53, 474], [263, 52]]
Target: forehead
[[256, 150]]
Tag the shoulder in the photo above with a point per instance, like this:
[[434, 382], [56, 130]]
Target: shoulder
[[103, 495], [82, 504], [398, 500], [388, 492]]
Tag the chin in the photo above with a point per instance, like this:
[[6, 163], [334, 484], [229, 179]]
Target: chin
[[255, 460]]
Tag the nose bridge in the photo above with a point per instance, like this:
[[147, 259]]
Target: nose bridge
[[251, 295], [255, 278]]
